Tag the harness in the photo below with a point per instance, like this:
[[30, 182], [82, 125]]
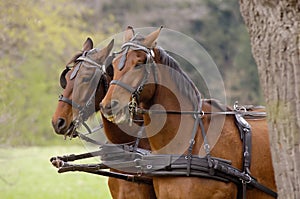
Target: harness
[[140, 162]]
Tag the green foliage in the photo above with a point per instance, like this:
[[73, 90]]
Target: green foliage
[[224, 36], [38, 38]]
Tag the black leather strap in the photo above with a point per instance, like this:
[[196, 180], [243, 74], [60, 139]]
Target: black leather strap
[[68, 101], [246, 136]]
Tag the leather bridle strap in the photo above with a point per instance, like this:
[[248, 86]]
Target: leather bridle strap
[[70, 102], [127, 87], [90, 61]]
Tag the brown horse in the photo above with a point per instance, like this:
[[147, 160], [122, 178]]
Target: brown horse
[[146, 77], [85, 85]]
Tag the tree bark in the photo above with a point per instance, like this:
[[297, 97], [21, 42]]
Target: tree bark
[[274, 28]]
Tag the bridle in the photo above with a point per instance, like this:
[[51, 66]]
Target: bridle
[[83, 110], [148, 66]]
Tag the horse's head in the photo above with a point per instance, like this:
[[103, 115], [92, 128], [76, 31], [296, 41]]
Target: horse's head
[[85, 84], [131, 85]]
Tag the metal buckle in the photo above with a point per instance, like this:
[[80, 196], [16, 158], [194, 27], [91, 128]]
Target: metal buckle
[[246, 181], [132, 108], [201, 114]]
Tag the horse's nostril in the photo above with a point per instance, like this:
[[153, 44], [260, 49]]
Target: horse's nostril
[[61, 123], [108, 108]]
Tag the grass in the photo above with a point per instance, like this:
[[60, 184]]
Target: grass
[[27, 173]]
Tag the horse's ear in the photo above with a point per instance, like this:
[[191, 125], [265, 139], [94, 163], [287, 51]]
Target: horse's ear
[[129, 33], [104, 52], [88, 44], [151, 38], [110, 46]]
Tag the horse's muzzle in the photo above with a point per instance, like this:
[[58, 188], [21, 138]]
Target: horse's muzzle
[[60, 126]]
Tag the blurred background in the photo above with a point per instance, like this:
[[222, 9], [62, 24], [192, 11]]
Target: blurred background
[[38, 37]]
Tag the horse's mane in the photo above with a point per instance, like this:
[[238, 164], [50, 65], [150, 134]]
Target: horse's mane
[[215, 103], [75, 57], [184, 83]]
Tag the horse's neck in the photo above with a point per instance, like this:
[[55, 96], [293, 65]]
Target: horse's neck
[[112, 131], [114, 134], [169, 133]]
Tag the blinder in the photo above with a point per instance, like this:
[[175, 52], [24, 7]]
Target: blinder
[[75, 71], [62, 79], [123, 59], [135, 45]]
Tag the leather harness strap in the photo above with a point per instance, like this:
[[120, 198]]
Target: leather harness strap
[[142, 162]]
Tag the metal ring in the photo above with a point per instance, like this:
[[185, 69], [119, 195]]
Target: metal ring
[[192, 141], [139, 173], [206, 146], [201, 114], [137, 162], [246, 181]]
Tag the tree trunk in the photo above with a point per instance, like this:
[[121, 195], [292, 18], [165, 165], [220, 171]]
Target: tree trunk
[[274, 27]]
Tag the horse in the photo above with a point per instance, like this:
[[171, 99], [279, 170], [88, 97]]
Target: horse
[[148, 80], [85, 85]]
